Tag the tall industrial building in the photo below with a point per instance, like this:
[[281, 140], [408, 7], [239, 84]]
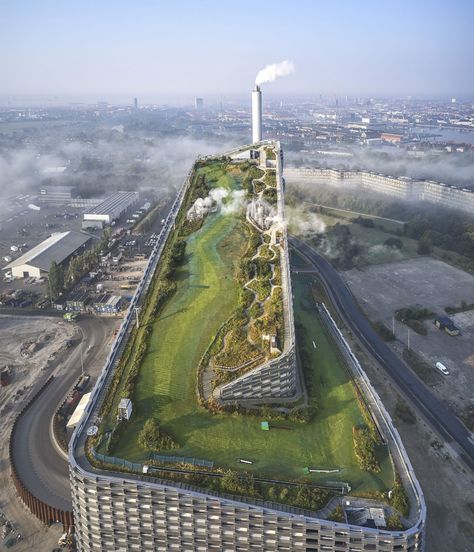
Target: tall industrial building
[[198, 103], [256, 114], [122, 507]]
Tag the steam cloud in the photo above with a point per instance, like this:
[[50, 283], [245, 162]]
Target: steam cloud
[[218, 198], [273, 71]]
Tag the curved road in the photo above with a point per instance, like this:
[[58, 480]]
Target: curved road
[[442, 419], [40, 466]]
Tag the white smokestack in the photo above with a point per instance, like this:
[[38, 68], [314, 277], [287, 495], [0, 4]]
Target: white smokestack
[[273, 71], [256, 114]]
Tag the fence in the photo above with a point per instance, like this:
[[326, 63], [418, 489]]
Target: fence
[[40, 509], [384, 421], [341, 488], [182, 460], [137, 467]]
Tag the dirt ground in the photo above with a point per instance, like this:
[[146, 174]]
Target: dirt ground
[[127, 271], [434, 285], [48, 336], [28, 345]]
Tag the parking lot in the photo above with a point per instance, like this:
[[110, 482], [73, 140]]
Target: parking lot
[[434, 285]]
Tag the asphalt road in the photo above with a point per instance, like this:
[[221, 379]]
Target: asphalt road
[[40, 466], [440, 416]]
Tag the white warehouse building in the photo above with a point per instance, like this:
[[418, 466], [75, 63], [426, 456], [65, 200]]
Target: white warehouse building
[[112, 208], [37, 261]]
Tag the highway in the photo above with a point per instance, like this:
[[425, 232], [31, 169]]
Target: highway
[[443, 420], [40, 466]]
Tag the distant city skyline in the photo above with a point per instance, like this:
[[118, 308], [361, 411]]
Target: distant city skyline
[[149, 49]]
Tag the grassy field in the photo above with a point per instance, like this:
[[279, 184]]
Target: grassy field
[[166, 388], [372, 239]]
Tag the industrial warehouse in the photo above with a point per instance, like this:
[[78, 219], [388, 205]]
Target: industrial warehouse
[[58, 247], [110, 210]]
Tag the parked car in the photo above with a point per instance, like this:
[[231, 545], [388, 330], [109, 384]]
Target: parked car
[[442, 368]]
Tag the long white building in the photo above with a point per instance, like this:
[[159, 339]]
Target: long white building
[[400, 187], [110, 209]]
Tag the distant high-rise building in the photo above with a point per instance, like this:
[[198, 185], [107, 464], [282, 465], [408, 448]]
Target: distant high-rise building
[[198, 103], [135, 103], [453, 100]]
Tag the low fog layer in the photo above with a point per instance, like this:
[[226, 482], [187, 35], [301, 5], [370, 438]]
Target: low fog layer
[[97, 167], [449, 168]]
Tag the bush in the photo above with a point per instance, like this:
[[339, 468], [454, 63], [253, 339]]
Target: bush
[[310, 498], [365, 222], [399, 499], [239, 484], [270, 178], [256, 310], [383, 331], [393, 242], [262, 288], [270, 195], [423, 248], [337, 515], [404, 412], [153, 438], [394, 523], [364, 448]]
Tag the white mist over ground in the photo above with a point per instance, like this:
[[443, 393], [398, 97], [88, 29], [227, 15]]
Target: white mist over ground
[[273, 71], [228, 202], [104, 165], [304, 224]]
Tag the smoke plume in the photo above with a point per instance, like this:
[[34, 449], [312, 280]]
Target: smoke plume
[[273, 71]]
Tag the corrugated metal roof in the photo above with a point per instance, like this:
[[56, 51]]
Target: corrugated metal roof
[[112, 203], [57, 248]]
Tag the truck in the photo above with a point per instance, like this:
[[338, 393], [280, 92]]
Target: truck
[[70, 316], [83, 382]]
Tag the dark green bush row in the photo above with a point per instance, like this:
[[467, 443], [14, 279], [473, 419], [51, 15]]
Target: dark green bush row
[[134, 370], [399, 498], [364, 448]]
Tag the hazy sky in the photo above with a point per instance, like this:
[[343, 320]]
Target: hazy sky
[[136, 47]]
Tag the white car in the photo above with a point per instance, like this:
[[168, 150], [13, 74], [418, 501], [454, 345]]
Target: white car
[[442, 368]]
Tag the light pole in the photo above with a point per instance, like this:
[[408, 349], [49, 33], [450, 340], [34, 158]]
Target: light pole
[[82, 343], [137, 311]]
